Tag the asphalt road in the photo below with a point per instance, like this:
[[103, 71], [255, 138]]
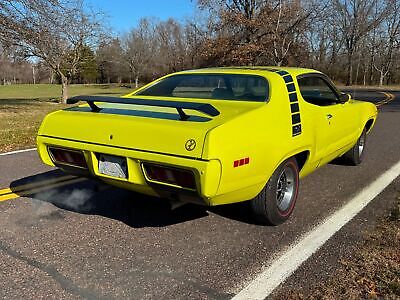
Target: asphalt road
[[85, 240]]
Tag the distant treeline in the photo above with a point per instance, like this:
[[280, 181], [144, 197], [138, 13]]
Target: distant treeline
[[353, 41]]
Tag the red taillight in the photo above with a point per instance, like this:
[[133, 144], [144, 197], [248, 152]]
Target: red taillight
[[70, 157], [178, 177]]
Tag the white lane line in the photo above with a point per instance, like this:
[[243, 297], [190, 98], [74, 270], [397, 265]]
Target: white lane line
[[285, 265], [18, 151]]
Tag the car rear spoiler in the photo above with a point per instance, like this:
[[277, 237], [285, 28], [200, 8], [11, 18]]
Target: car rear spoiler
[[205, 108]]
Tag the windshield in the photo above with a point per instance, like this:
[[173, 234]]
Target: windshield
[[211, 86]]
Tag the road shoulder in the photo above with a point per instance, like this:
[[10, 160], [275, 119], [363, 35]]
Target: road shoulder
[[348, 266]]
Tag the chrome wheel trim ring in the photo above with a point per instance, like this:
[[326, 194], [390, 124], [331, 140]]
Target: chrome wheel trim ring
[[361, 144], [285, 189]]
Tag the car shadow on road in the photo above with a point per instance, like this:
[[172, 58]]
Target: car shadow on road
[[237, 211], [92, 197]]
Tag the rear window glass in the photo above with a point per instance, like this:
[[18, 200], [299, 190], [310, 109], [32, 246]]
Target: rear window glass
[[211, 86]]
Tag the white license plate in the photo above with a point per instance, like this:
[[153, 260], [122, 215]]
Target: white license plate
[[114, 166]]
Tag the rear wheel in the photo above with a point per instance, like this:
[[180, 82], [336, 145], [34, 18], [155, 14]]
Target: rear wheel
[[356, 154], [275, 203]]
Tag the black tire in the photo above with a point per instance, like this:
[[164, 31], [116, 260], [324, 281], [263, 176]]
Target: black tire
[[355, 155], [271, 206]]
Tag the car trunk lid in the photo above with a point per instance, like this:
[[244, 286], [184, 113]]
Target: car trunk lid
[[141, 127]]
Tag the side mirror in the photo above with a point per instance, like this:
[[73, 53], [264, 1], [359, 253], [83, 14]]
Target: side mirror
[[343, 98]]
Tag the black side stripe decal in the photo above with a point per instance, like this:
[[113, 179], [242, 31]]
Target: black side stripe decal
[[282, 73], [293, 97], [290, 87], [288, 78], [295, 118], [296, 129], [294, 107], [294, 104]]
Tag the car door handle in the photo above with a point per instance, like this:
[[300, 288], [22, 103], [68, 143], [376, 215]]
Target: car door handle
[[329, 116]]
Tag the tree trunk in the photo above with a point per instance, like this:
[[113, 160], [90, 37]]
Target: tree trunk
[[357, 69], [349, 69], [33, 74], [365, 76], [136, 82], [381, 77], [371, 70], [64, 88]]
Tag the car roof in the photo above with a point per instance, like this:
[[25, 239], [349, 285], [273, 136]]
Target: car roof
[[254, 70]]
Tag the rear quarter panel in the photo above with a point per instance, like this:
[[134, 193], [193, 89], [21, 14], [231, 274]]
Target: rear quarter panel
[[263, 135]]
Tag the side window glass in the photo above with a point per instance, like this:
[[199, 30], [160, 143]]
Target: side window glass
[[316, 91]]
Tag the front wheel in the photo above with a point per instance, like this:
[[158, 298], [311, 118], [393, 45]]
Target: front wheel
[[275, 203], [356, 154]]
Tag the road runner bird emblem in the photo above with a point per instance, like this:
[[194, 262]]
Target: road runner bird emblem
[[190, 145]]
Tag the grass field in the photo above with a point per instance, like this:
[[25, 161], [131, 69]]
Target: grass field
[[53, 91], [23, 107], [372, 271]]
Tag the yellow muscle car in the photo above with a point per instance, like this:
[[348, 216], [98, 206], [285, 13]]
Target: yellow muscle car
[[212, 136]]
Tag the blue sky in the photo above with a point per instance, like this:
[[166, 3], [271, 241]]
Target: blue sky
[[125, 14]]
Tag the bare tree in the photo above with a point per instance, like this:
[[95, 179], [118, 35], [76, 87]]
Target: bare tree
[[290, 20], [358, 36], [111, 61], [14, 68], [387, 41], [53, 30], [173, 45], [254, 32], [355, 19], [140, 49]]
